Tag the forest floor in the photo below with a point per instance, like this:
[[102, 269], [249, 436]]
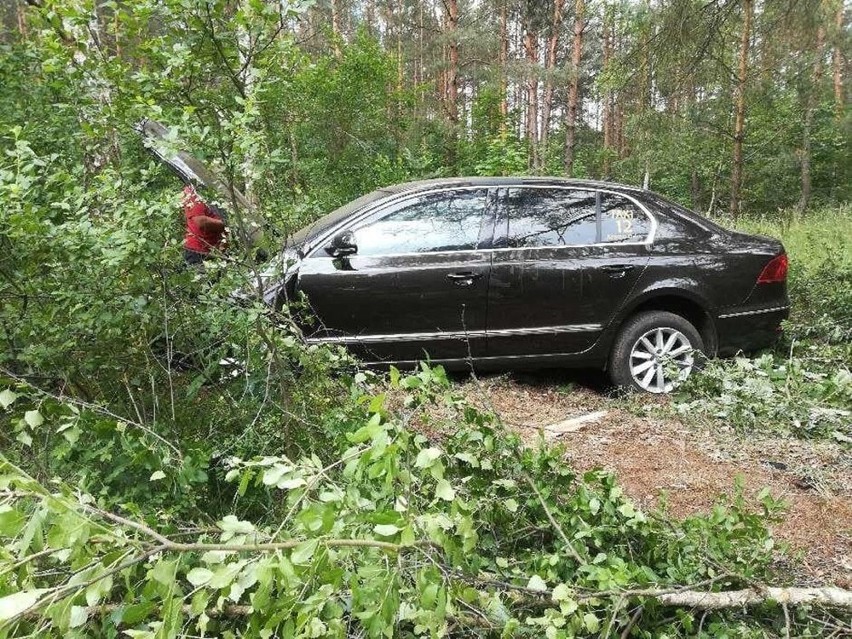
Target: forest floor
[[659, 458]]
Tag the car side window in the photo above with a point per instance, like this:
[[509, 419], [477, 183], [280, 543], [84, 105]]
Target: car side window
[[549, 217], [622, 220], [447, 221]]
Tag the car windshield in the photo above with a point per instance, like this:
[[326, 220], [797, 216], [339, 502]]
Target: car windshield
[[318, 227]]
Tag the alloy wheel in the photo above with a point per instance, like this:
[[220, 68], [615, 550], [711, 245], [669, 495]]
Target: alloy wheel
[[661, 359]]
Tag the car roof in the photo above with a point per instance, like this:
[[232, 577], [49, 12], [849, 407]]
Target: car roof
[[516, 180]]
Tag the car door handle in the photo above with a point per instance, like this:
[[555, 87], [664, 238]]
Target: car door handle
[[618, 269], [463, 279]]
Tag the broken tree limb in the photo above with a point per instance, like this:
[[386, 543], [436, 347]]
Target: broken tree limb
[[574, 424], [827, 596]]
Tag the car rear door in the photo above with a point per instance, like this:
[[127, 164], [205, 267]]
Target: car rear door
[[417, 285], [564, 261]]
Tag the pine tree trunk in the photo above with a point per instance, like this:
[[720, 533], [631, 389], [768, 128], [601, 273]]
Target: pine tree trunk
[[451, 22], [574, 88], [21, 19], [531, 50], [837, 60], [503, 59], [420, 67], [811, 100], [371, 17], [740, 107], [607, 97], [550, 65], [337, 34]]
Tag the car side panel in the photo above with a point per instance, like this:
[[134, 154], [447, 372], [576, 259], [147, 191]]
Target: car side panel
[[557, 300], [398, 307]]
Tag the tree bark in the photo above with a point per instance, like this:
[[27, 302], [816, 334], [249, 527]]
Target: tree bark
[[336, 32], [21, 19], [503, 59], [607, 97], [829, 596], [531, 50], [420, 68], [574, 88], [837, 60], [371, 17], [740, 108], [549, 66], [811, 100], [452, 82]]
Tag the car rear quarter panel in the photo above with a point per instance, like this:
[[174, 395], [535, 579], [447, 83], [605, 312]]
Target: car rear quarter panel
[[714, 276]]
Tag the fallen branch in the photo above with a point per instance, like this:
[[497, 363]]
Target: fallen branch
[[574, 424], [828, 596]]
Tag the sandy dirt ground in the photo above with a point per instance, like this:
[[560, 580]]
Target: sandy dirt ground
[[688, 464]]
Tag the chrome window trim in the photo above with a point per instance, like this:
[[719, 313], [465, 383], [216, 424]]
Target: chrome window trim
[[424, 337], [759, 311], [378, 207]]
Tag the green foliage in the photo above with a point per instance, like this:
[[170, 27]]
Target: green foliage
[[394, 536]]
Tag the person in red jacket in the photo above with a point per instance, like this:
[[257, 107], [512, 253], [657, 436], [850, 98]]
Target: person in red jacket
[[205, 230]]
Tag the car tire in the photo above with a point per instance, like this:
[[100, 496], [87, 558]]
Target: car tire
[[652, 344]]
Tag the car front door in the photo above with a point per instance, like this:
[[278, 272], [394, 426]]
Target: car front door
[[564, 261], [415, 286]]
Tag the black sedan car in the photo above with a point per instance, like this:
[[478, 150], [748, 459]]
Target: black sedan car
[[513, 272]]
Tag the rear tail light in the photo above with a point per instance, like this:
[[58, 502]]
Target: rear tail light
[[775, 270]]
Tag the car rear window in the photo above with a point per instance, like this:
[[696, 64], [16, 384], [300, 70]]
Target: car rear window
[[683, 213], [622, 220], [540, 217]]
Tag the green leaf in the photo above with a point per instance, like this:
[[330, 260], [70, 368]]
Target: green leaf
[[537, 583], [594, 505], [627, 510], [7, 397], [304, 551], [427, 457], [386, 530], [511, 505], [159, 474], [11, 521], [33, 418], [164, 572], [231, 524], [98, 590], [199, 576], [561, 593], [445, 491], [591, 622], [290, 484], [273, 475], [79, 616], [14, 604]]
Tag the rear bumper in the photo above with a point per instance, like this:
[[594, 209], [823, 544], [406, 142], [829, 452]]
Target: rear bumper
[[750, 329]]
